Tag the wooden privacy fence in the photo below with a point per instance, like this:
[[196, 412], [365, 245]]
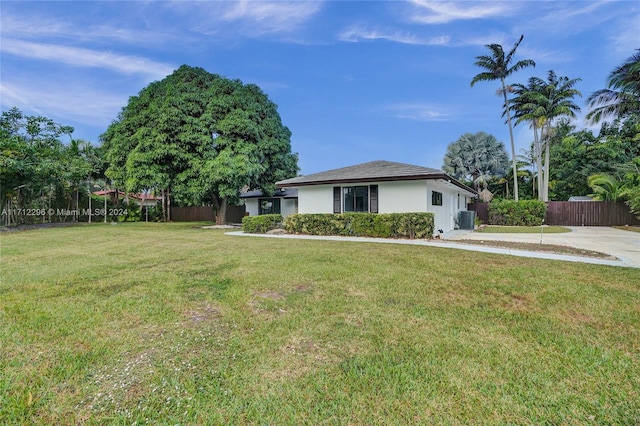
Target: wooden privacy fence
[[206, 214], [576, 213], [589, 213]]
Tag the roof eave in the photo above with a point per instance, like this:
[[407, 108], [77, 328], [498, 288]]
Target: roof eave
[[379, 179]]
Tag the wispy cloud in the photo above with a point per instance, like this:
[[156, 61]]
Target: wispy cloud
[[357, 34], [246, 18], [430, 12], [79, 102], [37, 27], [418, 112], [81, 57], [626, 39]]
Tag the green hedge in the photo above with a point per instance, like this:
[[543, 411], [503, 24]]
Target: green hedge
[[388, 225], [261, 224], [517, 213]]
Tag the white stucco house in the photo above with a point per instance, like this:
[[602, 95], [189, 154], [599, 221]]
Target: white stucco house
[[284, 201], [382, 187]]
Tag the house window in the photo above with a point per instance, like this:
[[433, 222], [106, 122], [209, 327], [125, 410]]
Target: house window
[[269, 206], [436, 198], [356, 198]]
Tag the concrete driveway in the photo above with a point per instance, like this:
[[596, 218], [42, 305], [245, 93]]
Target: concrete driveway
[[624, 245]]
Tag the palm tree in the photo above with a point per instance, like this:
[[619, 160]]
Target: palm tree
[[477, 156], [543, 104], [525, 112], [606, 188], [498, 67], [622, 98]]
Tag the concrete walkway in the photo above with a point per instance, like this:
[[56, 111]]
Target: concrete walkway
[[623, 245]]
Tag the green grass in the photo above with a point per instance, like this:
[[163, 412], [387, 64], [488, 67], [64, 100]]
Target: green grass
[[172, 324], [495, 229], [635, 228]]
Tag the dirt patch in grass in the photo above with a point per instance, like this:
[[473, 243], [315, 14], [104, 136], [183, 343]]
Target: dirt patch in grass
[[543, 248], [206, 313]]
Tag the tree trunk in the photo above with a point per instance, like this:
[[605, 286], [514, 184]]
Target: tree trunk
[[546, 166], [221, 216], [538, 153], [164, 206], [168, 205], [513, 148]]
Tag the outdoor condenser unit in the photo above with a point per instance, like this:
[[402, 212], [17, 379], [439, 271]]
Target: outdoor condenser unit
[[466, 219]]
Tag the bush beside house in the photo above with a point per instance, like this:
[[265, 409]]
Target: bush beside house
[[261, 224], [517, 213], [386, 225]]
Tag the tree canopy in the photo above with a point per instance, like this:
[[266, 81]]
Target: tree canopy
[[622, 97], [477, 156], [35, 165], [199, 138]]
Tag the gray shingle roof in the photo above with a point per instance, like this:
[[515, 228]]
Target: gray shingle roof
[[374, 171]]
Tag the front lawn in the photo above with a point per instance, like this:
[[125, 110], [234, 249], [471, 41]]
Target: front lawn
[[174, 324]]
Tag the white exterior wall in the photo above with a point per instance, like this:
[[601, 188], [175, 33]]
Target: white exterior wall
[[315, 199], [453, 201], [402, 196], [251, 206], [287, 206], [394, 197]]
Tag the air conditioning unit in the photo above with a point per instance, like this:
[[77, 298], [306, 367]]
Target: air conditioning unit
[[466, 219]]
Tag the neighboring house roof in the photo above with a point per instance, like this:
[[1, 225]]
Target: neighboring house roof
[[581, 198], [374, 171], [145, 197], [280, 193]]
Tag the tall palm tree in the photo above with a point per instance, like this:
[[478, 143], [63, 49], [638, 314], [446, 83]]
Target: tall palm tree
[[497, 66], [544, 104], [622, 98], [524, 111], [477, 156]]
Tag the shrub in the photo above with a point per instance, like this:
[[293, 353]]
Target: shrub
[[517, 213], [261, 224], [389, 225]]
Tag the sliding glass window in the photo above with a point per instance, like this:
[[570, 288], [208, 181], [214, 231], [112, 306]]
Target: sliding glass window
[[356, 198]]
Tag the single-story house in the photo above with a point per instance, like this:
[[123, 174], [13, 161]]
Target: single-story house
[[284, 201], [383, 187]]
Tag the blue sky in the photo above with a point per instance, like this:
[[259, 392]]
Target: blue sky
[[354, 81]]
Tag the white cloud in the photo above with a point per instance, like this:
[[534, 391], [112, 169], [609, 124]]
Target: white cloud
[[37, 27], [626, 38], [430, 12], [357, 34], [418, 112], [86, 58], [77, 101], [249, 18]]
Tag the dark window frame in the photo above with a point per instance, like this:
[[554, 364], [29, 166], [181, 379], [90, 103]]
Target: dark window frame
[[436, 198], [353, 199], [276, 206]]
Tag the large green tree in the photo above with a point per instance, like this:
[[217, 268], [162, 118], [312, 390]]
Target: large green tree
[[197, 137], [498, 67], [622, 96], [476, 156]]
